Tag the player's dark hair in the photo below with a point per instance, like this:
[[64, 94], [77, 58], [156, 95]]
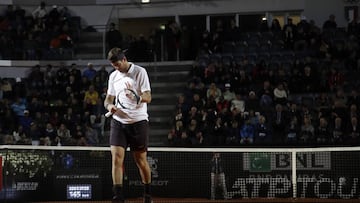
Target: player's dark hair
[[115, 54]]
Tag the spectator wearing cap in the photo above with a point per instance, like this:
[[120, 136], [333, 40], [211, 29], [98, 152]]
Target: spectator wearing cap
[[228, 93], [252, 102], [19, 88], [25, 121], [54, 15]]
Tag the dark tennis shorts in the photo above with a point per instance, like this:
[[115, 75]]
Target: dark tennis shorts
[[135, 135]]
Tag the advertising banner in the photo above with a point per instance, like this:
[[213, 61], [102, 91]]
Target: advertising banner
[[85, 184]]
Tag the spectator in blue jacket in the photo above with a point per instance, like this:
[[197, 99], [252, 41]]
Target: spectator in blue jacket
[[247, 133], [90, 72]]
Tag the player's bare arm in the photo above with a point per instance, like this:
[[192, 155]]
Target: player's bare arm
[[109, 103], [146, 97]]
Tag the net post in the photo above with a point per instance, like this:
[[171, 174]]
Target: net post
[[293, 172]]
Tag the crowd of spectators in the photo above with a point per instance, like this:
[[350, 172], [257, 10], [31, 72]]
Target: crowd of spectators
[[54, 106], [45, 33], [284, 85], [295, 85]]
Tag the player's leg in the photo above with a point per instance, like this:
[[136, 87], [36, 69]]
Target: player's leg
[[145, 173], [117, 155], [138, 145], [118, 145], [143, 166]]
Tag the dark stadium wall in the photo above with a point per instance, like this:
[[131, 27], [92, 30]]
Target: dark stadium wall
[[320, 10], [107, 10]]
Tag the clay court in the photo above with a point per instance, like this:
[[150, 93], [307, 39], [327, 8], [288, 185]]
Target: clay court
[[252, 200]]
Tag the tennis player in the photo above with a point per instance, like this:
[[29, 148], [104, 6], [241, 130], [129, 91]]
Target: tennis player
[[129, 124]]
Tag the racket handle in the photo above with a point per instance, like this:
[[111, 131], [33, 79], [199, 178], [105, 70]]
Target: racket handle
[[108, 114]]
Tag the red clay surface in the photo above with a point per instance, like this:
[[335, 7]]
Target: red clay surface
[[252, 200]]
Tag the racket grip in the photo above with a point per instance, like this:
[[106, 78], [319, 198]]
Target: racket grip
[[108, 114]]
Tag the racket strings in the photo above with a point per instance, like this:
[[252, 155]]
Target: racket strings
[[128, 99]]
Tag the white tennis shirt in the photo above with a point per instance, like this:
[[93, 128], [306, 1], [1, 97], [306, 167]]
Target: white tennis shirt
[[138, 78]]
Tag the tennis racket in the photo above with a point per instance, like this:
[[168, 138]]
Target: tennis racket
[[126, 99]]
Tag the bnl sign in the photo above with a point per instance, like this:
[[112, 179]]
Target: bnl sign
[[266, 161]]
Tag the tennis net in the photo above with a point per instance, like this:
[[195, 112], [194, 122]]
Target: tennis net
[[58, 173]]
